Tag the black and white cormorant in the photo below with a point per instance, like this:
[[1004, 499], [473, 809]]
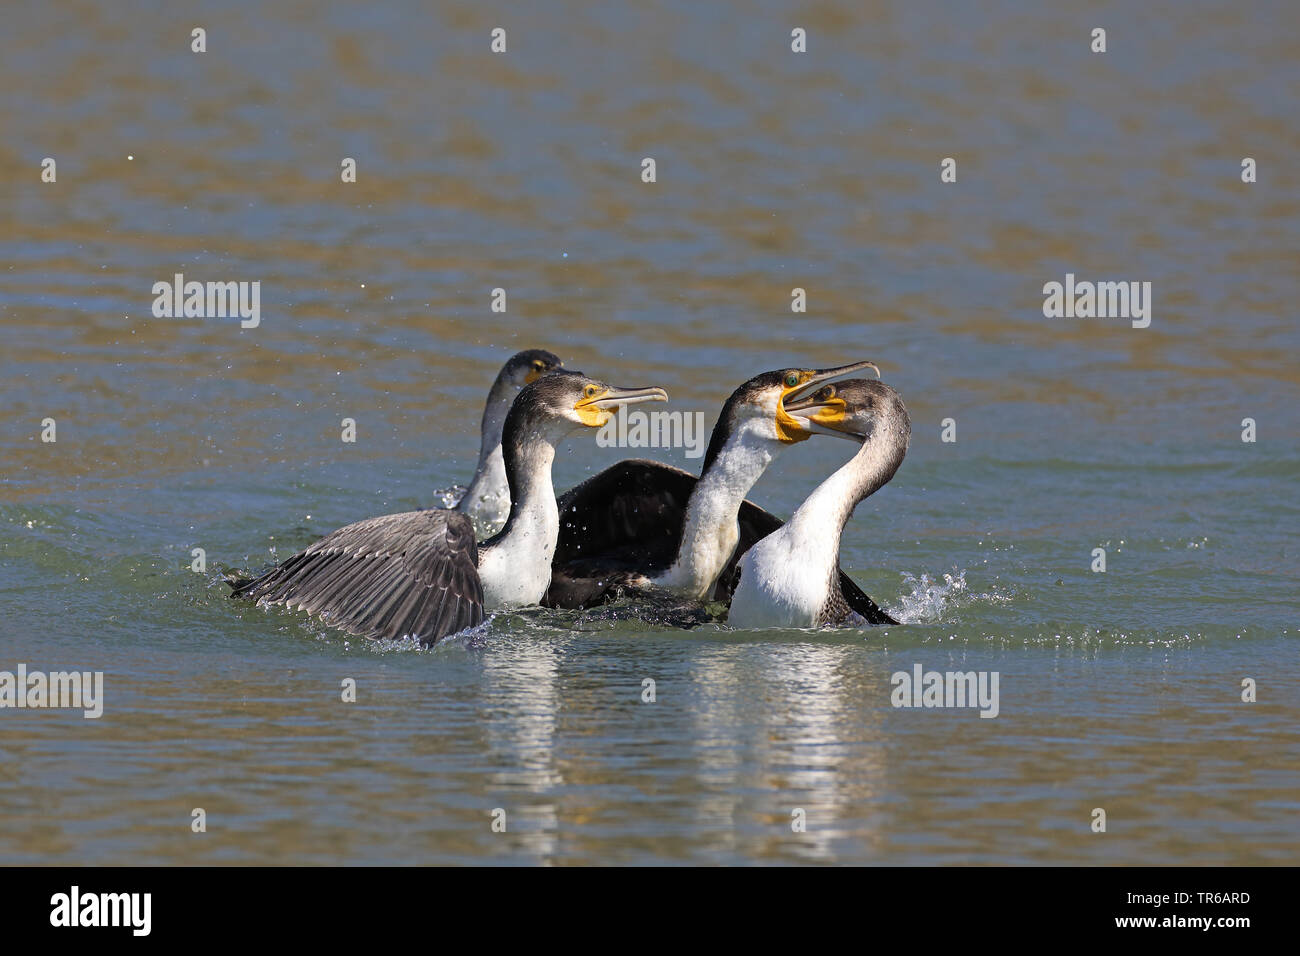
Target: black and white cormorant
[[791, 578], [420, 574], [642, 526], [487, 499]]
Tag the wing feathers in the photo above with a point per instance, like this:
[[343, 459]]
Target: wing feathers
[[412, 574], [628, 520]]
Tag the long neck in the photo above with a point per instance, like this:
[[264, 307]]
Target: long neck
[[533, 527], [817, 525], [712, 531], [494, 420], [488, 492]]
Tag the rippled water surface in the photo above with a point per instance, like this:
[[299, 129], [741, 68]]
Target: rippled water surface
[[775, 170]]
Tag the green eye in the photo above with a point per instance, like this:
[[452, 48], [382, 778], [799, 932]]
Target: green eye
[[590, 391], [791, 380]]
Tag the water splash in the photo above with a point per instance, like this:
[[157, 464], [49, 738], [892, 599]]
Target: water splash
[[928, 598], [449, 497]]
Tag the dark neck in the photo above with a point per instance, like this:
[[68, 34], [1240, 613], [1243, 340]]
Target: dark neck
[[528, 450]]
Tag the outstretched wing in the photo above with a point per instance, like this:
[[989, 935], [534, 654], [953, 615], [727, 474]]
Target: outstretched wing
[[636, 508], [628, 520], [615, 527], [412, 574]]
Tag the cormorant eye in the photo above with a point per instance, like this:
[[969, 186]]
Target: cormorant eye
[[537, 364], [791, 380], [590, 391]]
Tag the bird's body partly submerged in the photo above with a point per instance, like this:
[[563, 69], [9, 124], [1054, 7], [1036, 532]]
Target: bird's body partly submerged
[[791, 578], [631, 518], [644, 528], [487, 499], [420, 574]]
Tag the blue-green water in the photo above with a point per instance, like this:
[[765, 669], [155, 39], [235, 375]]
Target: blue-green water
[[1119, 690]]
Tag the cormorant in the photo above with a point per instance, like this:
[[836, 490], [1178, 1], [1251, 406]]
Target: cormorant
[[487, 499], [642, 526], [791, 578], [421, 573]]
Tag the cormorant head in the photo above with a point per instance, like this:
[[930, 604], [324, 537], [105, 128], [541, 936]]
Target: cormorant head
[[527, 366], [522, 368], [572, 400], [857, 409], [762, 406]]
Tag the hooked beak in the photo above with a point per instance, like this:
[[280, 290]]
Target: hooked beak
[[597, 409], [814, 418]]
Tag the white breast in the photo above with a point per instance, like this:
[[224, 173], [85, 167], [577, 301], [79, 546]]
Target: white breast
[[516, 571], [782, 584]]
